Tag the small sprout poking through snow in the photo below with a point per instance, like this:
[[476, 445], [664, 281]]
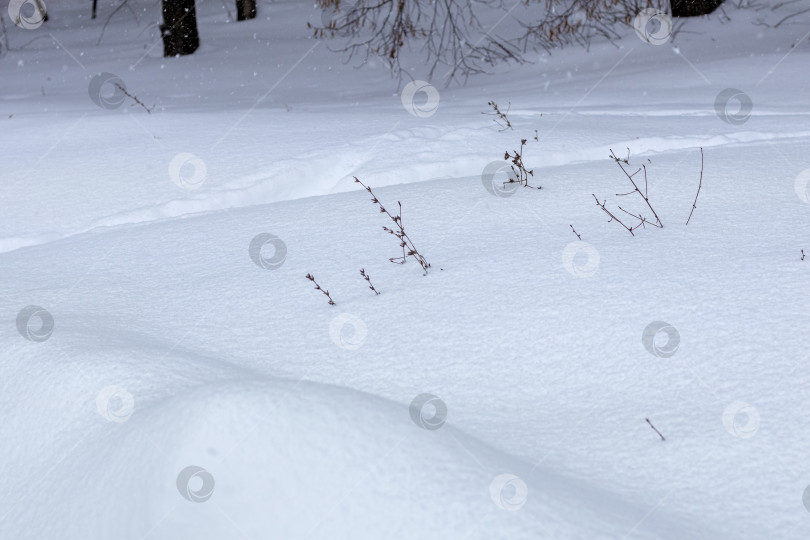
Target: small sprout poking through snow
[[652, 426], [368, 279], [502, 120], [408, 249], [318, 288]]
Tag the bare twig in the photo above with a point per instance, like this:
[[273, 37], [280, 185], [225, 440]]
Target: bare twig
[[575, 231], [318, 288], [652, 426], [802, 254], [368, 280], [500, 116], [408, 248], [644, 196], [519, 168], [134, 98], [612, 217], [700, 183], [104, 28]]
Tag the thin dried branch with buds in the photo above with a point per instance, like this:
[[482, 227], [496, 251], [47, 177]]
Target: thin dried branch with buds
[[368, 280], [408, 249], [610, 214], [519, 168], [318, 288], [575, 231], [501, 116], [636, 189], [134, 98], [700, 184], [802, 254]]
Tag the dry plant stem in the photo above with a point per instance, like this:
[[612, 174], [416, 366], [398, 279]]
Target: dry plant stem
[[318, 288], [802, 254], [519, 168], [652, 426], [368, 279], [575, 231], [501, 115], [138, 101], [636, 188], [408, 248], [700, 184], [612, 217]]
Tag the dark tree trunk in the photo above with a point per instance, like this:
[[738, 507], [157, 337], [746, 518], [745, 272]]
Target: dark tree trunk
[[245, 9], [693, 8], [95, 6], [179, 28]]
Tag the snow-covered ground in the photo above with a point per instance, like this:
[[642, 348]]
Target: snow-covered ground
[[175, 346]]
